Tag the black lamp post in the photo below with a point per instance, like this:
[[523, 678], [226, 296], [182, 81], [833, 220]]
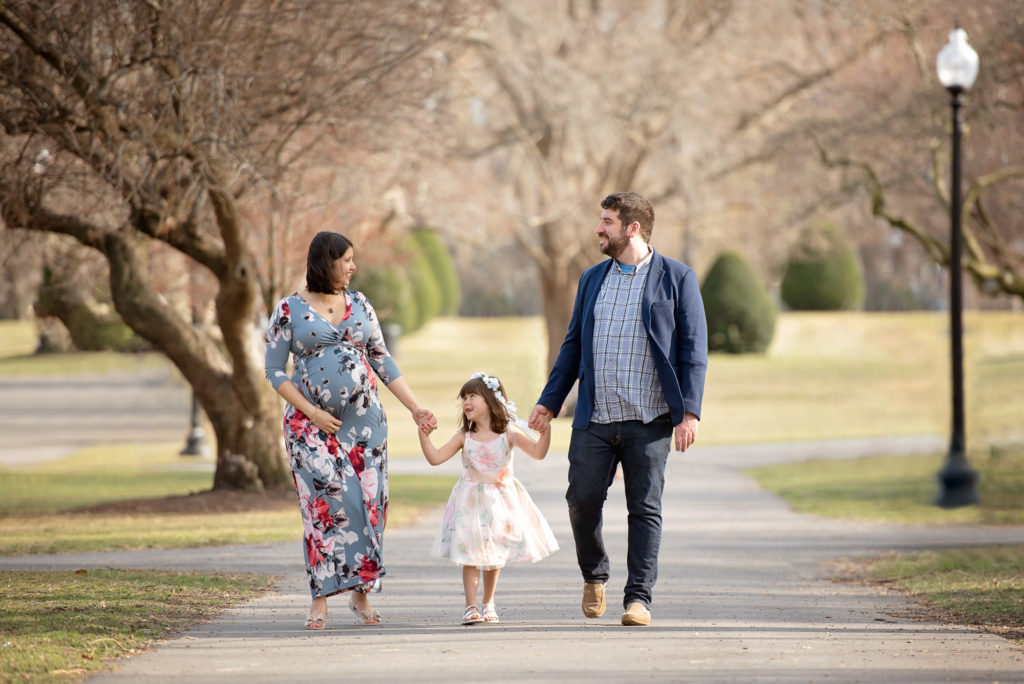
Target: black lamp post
[[195, 442], [957, 65]]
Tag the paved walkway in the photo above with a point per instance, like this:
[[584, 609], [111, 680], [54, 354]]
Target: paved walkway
[[82, 410], [744, 596]]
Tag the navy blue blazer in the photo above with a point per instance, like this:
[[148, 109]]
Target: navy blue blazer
[[673, 315]]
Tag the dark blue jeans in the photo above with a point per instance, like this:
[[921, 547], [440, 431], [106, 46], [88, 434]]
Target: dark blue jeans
[[642, 450]]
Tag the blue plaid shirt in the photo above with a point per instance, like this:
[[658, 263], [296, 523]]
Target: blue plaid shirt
[[626, 382]]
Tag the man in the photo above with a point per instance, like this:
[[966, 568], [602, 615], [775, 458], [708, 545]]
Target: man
[[637, 342]]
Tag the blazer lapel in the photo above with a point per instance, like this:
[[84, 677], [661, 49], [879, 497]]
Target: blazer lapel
[[590, 297], [651, 288]]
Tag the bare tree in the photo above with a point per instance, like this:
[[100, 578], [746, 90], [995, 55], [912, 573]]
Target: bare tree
[[141, 128], [561, 105], [878, 119], [993, 231]]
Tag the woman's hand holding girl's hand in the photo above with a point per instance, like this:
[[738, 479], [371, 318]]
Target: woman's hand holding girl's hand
[[425, 420]]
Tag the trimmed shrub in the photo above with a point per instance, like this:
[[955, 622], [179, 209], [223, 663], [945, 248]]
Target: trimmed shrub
[[390, 293], [442, 266], [739, 310], [823, 272], [416, 287], [426, 291]]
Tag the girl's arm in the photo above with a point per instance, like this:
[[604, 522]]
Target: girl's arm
[[535, 450], [437, 456]]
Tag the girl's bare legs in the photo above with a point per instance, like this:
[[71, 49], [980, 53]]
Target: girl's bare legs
[[490, 584], [470, 582], [319, 607]]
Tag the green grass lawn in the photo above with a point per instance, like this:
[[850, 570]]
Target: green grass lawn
[[980, 586], [17, 338], [899, 488], [836, 375], [64, 626], [825, 376], [99, 474], [38, 504]]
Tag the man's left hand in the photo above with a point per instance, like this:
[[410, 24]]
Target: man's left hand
[[686, 432]]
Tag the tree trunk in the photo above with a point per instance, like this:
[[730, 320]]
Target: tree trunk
[[558, 293], [92, 325], [249, 439], [241, 406], [560, 265]]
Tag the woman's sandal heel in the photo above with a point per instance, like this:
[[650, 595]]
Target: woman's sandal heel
[[367, 618], [316, 622]]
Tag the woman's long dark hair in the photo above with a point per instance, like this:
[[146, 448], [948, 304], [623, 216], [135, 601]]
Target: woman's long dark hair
[[325, 248]]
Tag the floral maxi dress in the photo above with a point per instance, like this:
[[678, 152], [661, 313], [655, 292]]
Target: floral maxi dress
[[490, 519], [341, 479]]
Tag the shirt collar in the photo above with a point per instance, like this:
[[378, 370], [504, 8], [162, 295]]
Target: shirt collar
[[640, 267]]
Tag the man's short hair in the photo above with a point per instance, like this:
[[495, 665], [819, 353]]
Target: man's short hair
[[632, 207]]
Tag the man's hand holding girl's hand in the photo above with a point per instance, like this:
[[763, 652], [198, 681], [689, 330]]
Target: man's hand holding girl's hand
[[540, 418]]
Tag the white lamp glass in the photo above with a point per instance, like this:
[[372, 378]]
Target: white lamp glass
[[957, 62]]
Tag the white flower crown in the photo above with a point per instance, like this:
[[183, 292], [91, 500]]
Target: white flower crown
[[492, 384]]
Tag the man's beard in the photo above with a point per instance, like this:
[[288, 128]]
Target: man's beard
[[613, 247]]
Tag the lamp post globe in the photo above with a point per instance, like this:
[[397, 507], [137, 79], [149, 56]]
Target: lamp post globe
[[957, 63], [957, 66]]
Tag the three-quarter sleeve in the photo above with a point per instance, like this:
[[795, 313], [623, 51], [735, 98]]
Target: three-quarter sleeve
[[278, 341], [376, 351]]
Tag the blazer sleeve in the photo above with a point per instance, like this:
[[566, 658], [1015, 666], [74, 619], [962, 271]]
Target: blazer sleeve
[[691, 344]]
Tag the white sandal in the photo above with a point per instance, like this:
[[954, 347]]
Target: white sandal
[[472, 615], [490, 615]]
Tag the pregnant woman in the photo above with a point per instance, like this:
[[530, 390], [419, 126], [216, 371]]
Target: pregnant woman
[[334, 426]]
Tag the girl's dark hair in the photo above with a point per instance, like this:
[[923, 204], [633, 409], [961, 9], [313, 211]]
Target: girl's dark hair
[[499, 417], [325, 248]]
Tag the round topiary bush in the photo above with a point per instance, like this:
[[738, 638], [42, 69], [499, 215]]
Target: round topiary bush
[[823, 272], [390, 294], [739, 310], [425, 288], [442, 266]]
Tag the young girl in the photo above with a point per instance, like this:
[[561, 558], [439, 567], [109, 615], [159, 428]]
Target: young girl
[[490, 520]]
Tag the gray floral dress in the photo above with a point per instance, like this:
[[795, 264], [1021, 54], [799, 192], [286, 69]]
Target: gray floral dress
[[341, 479]]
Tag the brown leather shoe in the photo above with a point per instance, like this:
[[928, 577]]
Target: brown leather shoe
[[593, 600], [636, 615]]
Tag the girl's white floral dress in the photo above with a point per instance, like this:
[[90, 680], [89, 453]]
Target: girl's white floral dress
[[490, 519]]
